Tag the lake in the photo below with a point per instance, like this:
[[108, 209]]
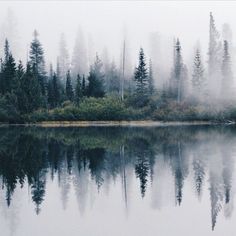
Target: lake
[[105, 181]]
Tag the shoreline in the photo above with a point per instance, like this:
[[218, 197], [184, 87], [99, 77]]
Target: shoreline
[[140, 123]]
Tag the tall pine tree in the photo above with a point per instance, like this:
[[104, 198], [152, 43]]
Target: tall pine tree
[[37, 62], [141, 79], [214, 58], [96, 79], [69, 88], [8, 75]]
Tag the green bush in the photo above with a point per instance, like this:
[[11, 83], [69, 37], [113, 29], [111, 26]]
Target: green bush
[[107, 108]]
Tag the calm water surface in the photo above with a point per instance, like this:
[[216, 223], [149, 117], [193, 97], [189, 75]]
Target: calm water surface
[[118, 181]]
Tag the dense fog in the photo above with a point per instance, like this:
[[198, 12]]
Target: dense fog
[[103, 25]]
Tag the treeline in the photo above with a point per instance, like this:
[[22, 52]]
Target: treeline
[[30, 93]]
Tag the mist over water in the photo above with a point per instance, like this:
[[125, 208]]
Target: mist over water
[[119, 181]]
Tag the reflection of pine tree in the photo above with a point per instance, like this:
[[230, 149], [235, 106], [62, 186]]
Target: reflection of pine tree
[[178, 185], [96, 158], [54, 156], [38, 190], [216, 198], [142, 171], [141, 147], [64, 182], [199, 174], [9, 193], [227, 172]]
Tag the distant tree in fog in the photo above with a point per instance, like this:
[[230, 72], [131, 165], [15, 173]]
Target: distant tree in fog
[[79, 63], [214, 58], [9, 31], [63, 58], [227, 75], [178, 81], [198, 77], [227, 33], [112, 79]]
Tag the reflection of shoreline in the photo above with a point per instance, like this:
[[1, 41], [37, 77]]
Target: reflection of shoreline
[[140, 123]]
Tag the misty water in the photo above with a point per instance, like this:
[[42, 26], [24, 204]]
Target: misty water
[[118, 181]]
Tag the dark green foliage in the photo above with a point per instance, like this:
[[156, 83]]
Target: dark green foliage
[[78, 90], [53, 92], [95, 86], [8, 80], [20, 70], [8, 109], [107, 108], [69, 88], [29, 93], [8, 75], [83, 86], [96, 80], [150, 79], [37, 62], [141, 79]]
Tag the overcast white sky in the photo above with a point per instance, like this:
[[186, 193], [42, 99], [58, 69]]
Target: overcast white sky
[[105, 21]]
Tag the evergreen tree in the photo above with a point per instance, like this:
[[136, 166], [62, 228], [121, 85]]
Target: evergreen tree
[[112, 79], [8, 74], [6, 50], [20, 70], [178, 69], [150, 79], [96, 80], [83, 86], [178, 83], [37, 62], [53, 91], [227, 75], [198, 78], [38, 190], [141, 79], [214, 58], [78, 90], [69, 88], [29, 93]]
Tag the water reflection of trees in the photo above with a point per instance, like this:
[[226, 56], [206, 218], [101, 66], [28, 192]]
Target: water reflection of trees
[[80, 157]]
